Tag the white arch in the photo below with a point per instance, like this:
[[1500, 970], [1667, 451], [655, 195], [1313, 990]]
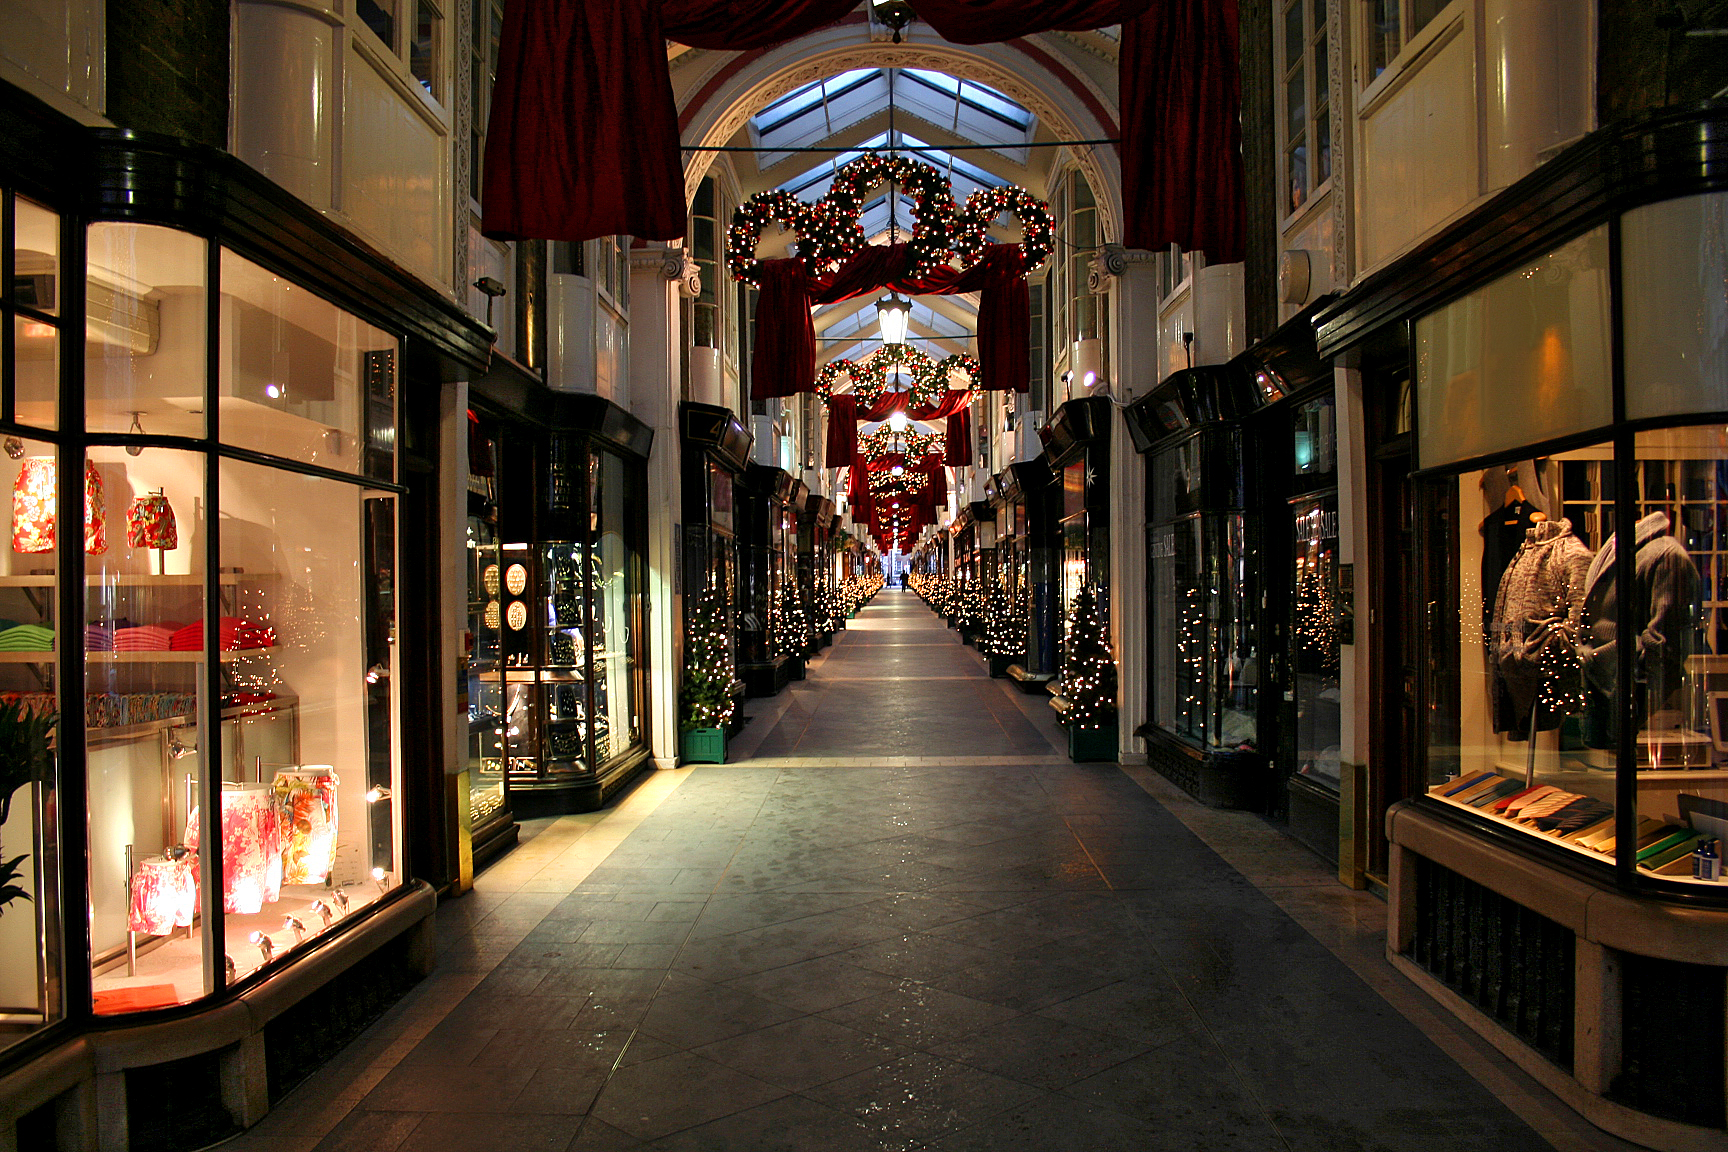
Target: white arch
[[834, 50]]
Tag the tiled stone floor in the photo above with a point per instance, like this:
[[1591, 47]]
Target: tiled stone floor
[[902, 920]]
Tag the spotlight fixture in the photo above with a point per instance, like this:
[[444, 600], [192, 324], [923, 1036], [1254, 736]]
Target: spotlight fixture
[[373, 795], [295, 925], [14, 448], [137, 429], [322, 909], [266, 946]]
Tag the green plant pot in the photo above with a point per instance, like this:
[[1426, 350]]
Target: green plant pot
[[1092, 745], [999, 666], [704, 746]]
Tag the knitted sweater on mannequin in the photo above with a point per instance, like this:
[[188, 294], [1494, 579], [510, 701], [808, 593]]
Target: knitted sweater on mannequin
[[1537, 615]]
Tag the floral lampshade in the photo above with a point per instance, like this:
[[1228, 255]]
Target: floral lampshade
[[164, 895], [251, 847], [306, 803], [33, 528], [150, 523]]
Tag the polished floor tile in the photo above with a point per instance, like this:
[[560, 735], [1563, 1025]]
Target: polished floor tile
[[899, 921]]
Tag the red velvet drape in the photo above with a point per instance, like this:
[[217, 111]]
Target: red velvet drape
[[778, 366], [844, 416], [583, 136]]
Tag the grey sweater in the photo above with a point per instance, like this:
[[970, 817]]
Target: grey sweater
[[1665, 590]]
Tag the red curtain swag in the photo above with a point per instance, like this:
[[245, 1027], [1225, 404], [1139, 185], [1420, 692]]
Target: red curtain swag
[[779, 366], [583, 136], [844, 416]]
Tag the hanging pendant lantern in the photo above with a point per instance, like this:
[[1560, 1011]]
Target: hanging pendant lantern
[[893, 314]]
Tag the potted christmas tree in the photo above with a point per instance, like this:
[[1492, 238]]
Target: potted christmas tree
[[706, 699], [1004, 633], [1089, 682]]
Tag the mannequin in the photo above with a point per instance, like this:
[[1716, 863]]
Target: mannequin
[[1665, 595]]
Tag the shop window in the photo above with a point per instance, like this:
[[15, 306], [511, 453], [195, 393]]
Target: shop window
[[1315, 442], [1315, 655], [1520, 361], [1528, 708], [426, 49], [32, 312], [1305, 120], [238, 627], [1391, 24], [610, 268], [1205, 682], [146, 293], [485, 34], [1674, 261], [301, 378], [30, 707], [707, 319]]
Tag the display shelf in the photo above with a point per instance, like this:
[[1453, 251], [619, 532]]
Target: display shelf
[[127, 732], [129, 657], [134, 580]]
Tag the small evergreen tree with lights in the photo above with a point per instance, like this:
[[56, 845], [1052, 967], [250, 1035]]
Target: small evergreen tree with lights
[[1088, 675], [1005, 628], [708, 672]]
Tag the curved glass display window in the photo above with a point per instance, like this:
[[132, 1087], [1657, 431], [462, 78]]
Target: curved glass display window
[[237, 626], [1578, 690]]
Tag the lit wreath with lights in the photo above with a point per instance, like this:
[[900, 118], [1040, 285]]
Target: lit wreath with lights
[[888, 484], [829, 231], [913, 445], [778, 207], [983, 207], [870, 378]]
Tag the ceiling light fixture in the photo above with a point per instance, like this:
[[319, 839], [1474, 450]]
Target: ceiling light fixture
[[893, 15]]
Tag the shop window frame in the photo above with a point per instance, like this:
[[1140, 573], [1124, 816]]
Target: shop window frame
[[70, 876], [1620, 437]]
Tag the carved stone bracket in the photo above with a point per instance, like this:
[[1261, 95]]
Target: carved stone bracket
[[674, 264], [1112, 261]]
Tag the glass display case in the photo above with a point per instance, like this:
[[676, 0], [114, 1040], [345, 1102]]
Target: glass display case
[[483, 675], [571, 626]]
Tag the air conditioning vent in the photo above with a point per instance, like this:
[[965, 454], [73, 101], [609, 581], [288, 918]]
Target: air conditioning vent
[[118, 319]]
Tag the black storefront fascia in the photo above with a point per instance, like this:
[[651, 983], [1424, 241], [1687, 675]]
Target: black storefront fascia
[[244, 1043], [715, 453], [1614, 967]]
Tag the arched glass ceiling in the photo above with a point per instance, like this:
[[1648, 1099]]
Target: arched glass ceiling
[[813, 183], [825, 108]]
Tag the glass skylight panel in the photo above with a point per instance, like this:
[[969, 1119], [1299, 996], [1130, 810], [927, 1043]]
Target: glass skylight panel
[[806, 97]]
